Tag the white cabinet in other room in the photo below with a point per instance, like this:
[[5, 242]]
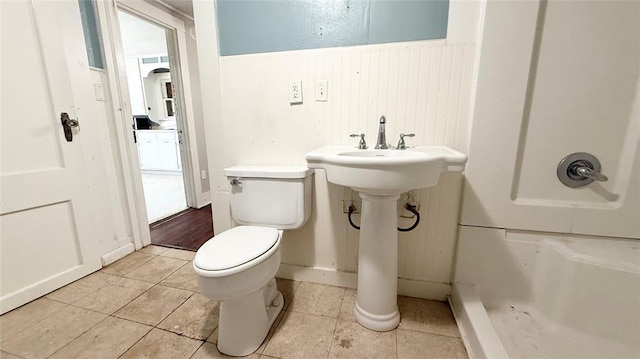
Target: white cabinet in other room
[[158, 150]]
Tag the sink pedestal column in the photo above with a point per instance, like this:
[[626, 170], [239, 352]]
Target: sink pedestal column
[[376, 307]]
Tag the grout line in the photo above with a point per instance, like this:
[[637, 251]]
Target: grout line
[[137, 341], [396, 333], [272, 331], [162, 320], [130, 270], [151, 245], [172, 249], [163, 278], [81, 334], [131, 301], [316, 314], [100, 287], [201, 345], [8, 352], [335, 328], [430, 333], [132, 321], [183, 335], [172, 273], [173, 311], [155, 285]]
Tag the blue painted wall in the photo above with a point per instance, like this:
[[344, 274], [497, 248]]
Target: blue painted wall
[[255, 26]]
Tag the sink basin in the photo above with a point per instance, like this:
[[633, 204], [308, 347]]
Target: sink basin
[[381, 176], [386, 172]]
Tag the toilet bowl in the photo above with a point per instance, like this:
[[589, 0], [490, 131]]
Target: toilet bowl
[[241, 276], [237, 267]]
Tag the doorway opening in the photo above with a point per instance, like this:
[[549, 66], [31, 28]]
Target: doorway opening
[[156, 122]]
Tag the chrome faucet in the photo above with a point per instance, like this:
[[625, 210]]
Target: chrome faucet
[[401, 144], [382, 139], [362, 144]]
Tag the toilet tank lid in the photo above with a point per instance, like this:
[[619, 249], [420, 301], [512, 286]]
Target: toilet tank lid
[[268, 171]]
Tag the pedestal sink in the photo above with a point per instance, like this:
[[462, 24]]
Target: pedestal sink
[[380, 176]]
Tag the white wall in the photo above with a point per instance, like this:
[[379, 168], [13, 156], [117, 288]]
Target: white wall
[[140, 37], [136, 89], [421, 87]]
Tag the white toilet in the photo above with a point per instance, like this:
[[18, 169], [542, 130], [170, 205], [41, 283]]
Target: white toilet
[[237, 267]]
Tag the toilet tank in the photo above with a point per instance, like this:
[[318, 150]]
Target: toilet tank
[[271, 196]]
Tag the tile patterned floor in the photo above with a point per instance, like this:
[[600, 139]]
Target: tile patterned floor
[[147, 305]]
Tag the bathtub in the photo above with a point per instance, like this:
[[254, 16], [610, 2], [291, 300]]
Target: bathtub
[[535, 295]]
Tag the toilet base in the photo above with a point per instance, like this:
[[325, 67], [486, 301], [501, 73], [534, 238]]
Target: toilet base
[[245, 323]]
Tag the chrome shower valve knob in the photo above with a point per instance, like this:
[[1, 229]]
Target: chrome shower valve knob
[[580, 169]]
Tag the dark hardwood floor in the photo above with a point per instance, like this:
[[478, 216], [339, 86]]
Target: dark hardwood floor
[[186, 230]]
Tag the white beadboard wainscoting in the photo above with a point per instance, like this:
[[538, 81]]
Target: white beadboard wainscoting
[[421, 87]]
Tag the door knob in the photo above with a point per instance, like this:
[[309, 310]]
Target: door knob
[[67, 124]]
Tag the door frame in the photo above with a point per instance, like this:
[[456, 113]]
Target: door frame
[[115, 66]]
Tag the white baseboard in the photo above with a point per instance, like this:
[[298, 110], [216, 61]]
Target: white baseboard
[[123, 241], [206, 198], [424, 289], [203, 199], [408, 287], [117, 254], [318, 275]]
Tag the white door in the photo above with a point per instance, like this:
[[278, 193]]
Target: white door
[[46, 213], [556, 78]]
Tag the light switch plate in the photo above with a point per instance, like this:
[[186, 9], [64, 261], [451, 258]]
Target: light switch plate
[[295, 92], [98, 89], [321, 90]]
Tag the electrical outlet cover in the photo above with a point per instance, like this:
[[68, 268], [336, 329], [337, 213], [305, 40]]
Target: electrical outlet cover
[[295, 92], [322, 86]]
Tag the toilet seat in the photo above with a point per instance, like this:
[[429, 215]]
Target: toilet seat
[[236, 249]]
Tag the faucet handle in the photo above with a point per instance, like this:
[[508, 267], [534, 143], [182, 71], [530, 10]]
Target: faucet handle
[[362, 144], [401, 144]]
